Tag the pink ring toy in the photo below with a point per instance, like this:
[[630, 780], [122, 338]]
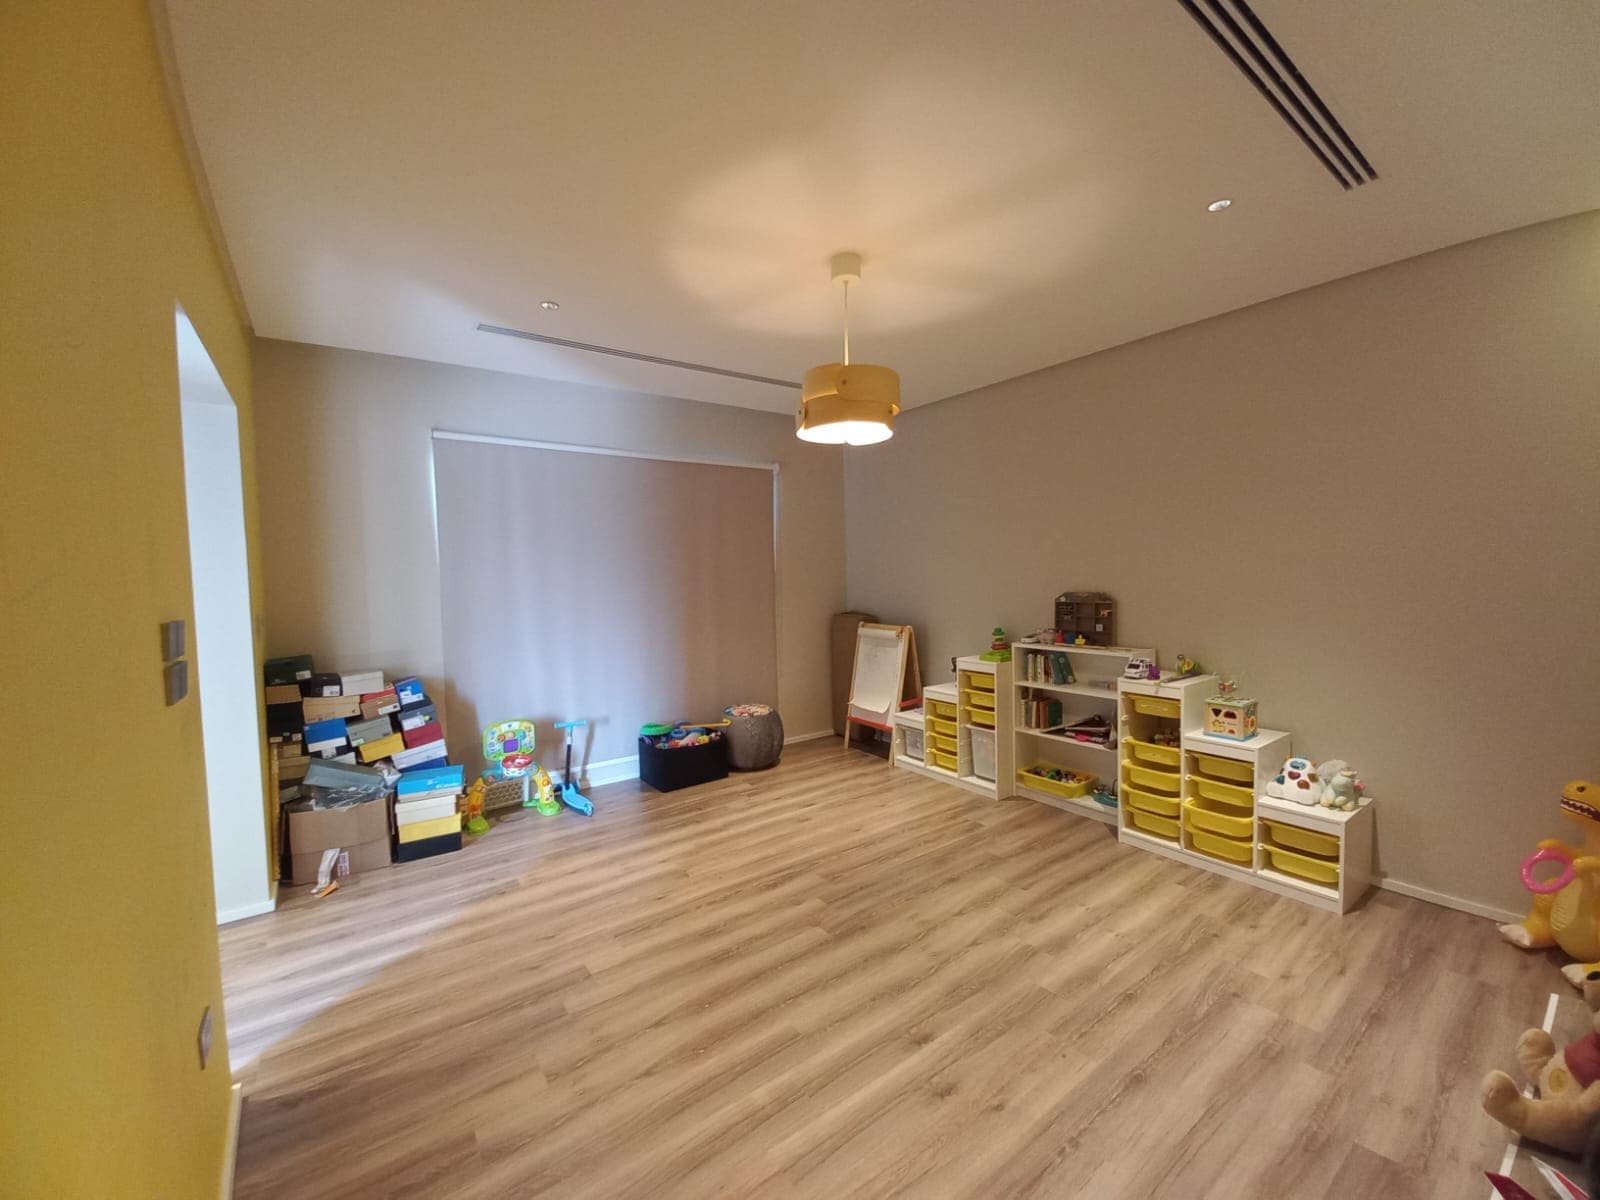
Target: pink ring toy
[[1549, 885]]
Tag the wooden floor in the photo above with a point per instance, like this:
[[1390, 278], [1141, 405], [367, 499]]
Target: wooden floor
[[833, 980]]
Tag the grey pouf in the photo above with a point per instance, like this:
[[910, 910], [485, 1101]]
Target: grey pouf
[[755, 736]]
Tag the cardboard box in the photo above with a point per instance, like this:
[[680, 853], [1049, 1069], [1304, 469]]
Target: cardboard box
[[380, 704], [331, 775], [362, 830], [417, 831], [293, 768], [284, 721], [431, 779], [415, 718], [420, 756], [368, 731], [357, 683], [380, 748], [427, 848], [410, 691], [326, 708], [409, 812], [326, 735], [324, 684], [423, 734], [283, 693], [291, 669]]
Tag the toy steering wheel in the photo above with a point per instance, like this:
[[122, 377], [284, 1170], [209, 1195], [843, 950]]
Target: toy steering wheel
[[1549, 885]]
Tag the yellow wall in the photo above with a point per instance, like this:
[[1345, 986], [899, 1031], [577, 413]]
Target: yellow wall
[[108, 948]]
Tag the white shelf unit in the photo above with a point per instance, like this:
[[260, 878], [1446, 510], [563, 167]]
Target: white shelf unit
[[1152, 717], [1095, 672], [1345, 843], [982, 687]]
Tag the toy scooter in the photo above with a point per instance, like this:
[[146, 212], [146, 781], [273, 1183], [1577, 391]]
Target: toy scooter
[[570, 795]]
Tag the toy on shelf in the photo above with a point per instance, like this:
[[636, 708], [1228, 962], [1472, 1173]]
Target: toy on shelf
[[999, 647], [472, 806], [1229, 715], [1140, 668], [1564, 1115], [1087, 618], [1566, 908], [1331, 784], [1187, 667]]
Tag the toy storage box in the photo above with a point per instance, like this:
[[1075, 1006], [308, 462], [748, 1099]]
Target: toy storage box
[[669, 770]]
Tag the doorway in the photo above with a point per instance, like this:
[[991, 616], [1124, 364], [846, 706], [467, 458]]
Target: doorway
[[223, 643]]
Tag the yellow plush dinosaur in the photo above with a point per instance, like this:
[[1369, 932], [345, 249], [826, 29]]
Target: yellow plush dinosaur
[[1570, 918]]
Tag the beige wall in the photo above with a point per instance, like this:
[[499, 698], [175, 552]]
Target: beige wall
[[1377, 501], [347, 521]]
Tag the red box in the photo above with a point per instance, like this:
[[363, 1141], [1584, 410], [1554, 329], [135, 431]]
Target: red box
[[423, 734]]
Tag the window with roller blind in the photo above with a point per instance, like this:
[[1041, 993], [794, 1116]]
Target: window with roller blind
[[598, 585]]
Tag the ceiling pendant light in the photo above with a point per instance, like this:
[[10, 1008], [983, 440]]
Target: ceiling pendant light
[[845, 403]]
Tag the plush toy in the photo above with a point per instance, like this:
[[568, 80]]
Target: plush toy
[[1564, 1115], [1331, 784]]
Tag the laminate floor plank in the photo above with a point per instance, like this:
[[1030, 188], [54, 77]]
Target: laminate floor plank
[[834, 980]]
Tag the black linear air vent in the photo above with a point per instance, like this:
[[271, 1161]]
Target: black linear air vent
[[634, 355], [1250, 46]]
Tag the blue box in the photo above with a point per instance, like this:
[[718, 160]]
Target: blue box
[[409, 691], [330, 731], [430, 779]]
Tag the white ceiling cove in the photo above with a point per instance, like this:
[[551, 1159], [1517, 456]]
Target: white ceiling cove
[[1027, 181]]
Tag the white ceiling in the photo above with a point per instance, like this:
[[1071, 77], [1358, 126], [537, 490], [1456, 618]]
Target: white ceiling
[[1026, 180]]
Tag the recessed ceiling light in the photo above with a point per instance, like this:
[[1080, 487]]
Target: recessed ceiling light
[[1219, 205], [549, 305]]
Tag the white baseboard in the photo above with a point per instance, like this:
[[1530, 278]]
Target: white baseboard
[[230, 1148], [1399, 887], [609, 770], [239, 913], [808, 737]]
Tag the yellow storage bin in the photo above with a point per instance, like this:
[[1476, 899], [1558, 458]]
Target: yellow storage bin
[[1226, 793], [979, 683], [940, 725], [981, 717], [1162, 827], [938, 758], [940, 708], [978, 699], [1155, 706], [1152, 802], [1308, 840], [1230, 769], [1149, 752], [1302, 866], [943, 743], [1217, 818], [1228, 849], [1152, 778], [1034, 777]]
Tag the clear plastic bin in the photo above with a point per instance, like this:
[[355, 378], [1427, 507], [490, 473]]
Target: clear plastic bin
[[983, 753], [913, 744]]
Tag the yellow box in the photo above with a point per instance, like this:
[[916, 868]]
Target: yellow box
[[1033, 776], [939, 725], [283, 693], [1162, 827], [1151, 802], [1216, 817], [1156, 706], [1302, 866], [438, 827], [977, 681], [1222, 847], [939, 759], [978, 699], [1149, 752], [1150, 778], [1230, 769], [981, 717], [1227, 793], [381, 748], [1308, 840], [940, 708]]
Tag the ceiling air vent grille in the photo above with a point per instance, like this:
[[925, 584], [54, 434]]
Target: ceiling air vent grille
[[635, 356], [1250, 46]]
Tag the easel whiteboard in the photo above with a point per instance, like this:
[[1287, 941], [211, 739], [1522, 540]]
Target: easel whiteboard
[[886, 676]]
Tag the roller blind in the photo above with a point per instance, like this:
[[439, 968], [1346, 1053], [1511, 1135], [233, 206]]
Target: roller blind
[[591, 585]]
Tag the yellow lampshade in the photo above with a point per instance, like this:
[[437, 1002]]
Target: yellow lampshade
[[852, 405]]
